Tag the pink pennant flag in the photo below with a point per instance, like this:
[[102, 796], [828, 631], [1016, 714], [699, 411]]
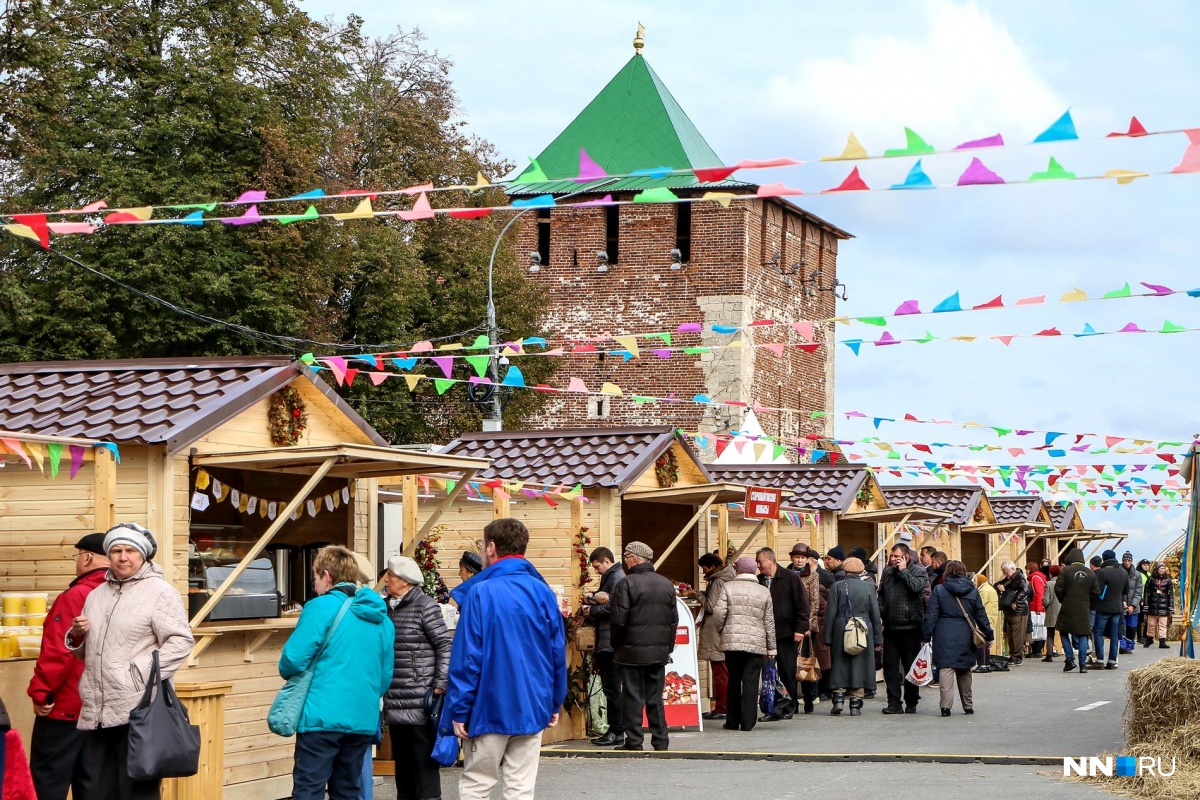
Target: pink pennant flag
[[252, 196], [1049, 332], [249, 217], [88, 209], [14, 447], [1032, 301], [886, 339], [589, 170], [65, 228], [76, 459], [378, 377], [558, 351], [603, 201], [987, 141], [805, 329], [445, 362], [1159, 291], [1191, 157], [777, 349], [1007, 340], [1110, 441], [689, 327], [422, 347], [777, 190], [978, 175], [1131, 328], [852, 183], [908, 307], [995, 302], [748, 163], [421, 189], [420, 210], [761, 323], [577, 385], [338, 365]]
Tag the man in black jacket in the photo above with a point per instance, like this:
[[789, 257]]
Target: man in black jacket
[[789, 602], [1015, 593], [1113, 583], [902, 608], [598, 608], [643, 620]]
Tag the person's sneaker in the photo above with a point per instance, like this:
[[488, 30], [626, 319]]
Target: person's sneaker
[[1069, 666], [1083, 669], [893, 710], [609, 739], [1111, 665], [982, 669]]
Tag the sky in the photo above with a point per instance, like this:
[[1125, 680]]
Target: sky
[[793, 79]]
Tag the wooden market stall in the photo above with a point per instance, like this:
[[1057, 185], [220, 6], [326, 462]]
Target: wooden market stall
[[1018, 522], [576, 490], [219, 458], [1068, 527], [967, 506]]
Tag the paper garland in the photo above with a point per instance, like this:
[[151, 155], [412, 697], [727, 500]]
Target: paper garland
[[41, 455], [206, 485]]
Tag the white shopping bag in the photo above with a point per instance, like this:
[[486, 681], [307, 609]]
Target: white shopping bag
[[921, 671]]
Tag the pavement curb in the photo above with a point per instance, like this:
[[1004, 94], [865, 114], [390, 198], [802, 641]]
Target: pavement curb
[[829, 758]]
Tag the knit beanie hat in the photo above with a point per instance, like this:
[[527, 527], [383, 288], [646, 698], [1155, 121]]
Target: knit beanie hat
[[640, 550], [1055, 570], [1127, 555], [745, 566], [134, 535], [836, 553], [1109, 555], [853, 566], [859, 553]]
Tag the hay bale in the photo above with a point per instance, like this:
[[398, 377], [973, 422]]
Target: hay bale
[[1162, 720]]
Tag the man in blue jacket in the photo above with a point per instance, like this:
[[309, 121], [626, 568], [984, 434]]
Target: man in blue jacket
[[508, 667]]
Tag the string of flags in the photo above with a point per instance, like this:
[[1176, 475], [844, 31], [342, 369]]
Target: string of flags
[[52, 454], [209, 489], [504, 490]]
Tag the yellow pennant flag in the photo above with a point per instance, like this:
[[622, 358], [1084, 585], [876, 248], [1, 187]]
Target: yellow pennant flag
[[854, 151], [1125, 177], [202, 480], [143, 213], [611, 388], [24, 231], [412, 381], [630, 344], [724, 198], [362, 211], [38, 453], [1073, 296]]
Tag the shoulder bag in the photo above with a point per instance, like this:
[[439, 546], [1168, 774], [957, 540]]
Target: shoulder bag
[[163, 742], [284, 717], [855, 637], [976, 635], [807, 668]]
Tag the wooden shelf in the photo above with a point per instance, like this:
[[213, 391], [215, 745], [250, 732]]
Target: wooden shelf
[[207, 633]]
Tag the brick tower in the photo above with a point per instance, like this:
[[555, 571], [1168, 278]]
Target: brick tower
[[610, 270]]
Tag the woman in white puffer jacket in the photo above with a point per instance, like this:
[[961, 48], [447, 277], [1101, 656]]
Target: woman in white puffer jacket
[[746, 622], [124, 620]]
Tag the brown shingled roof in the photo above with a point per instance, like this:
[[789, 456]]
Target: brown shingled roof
[[816, 486], [961, 501], [609, 458], [145, 401], [1061, 514], [1018, 508]]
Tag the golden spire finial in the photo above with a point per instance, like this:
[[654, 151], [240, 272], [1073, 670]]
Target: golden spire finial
[[639, 41]]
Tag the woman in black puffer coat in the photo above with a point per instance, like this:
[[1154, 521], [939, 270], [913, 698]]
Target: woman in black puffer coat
[[1159, 602], [422, 663]]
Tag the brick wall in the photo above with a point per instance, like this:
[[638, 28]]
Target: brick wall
[[724, 282]]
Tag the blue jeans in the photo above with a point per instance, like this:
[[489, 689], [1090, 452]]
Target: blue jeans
[[1107, 626], [329, 758], [1080, 645]]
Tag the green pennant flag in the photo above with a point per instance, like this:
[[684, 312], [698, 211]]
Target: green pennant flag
[[914, 145], [941, 476], [894, 454], [637, 398], [480, 363], [1006, 472], [55, 453], [1074, 487], [1171, 327], [481, 343], [450, 486], [659, 194], [309, 213], [308, 358], [692, 351], [778, 451], [532, 174], [878, 322], [442, 384], [1002, 431], [817, 414], [927, 338], [977, 447], [1054, 172], [664, 337], [1040, 484], [195, 206], [1124, 291]]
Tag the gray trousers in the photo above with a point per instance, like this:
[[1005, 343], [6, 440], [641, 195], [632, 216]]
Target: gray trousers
[[946, 681]]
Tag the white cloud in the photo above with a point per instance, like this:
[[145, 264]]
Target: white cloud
[[964, 78]]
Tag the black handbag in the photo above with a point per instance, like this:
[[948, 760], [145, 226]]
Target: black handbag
[[163, 743], [432, 705]]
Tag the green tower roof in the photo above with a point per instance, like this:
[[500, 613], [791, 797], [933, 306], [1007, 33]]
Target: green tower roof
[[634, 123]]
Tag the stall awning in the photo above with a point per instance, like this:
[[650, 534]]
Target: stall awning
[[351, 461], [1007, 527], [900, 514], [692, 495]]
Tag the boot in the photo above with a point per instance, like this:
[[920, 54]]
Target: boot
[[838, 698], [808, 705], [1147, 642], [1049, 657], [1162, 645], [856, 705]]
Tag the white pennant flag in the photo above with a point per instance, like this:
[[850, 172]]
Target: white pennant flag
[[272, 510]]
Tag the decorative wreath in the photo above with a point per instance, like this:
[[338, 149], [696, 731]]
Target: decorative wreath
[[580, 546], [863, 497], [666, 469], [978, 515], [287, 417]]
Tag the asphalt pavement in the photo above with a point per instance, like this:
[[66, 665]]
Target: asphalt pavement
[[1025, 722]]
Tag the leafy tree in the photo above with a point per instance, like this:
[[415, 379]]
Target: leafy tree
[[163, 102]]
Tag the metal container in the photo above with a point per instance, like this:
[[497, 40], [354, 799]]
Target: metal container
[[283, 557], [303, 585]]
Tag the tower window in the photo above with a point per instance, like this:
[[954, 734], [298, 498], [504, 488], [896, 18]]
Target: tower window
[[543, 235], [683, 230], [612, 233], [599, 407]]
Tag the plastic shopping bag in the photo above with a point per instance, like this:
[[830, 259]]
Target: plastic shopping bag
[[766, 697], [921, 671]]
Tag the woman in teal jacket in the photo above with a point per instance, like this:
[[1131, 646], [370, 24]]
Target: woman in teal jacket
[[350, 674]]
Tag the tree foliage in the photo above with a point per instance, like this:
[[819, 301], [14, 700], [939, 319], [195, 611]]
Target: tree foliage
[[161, 102]]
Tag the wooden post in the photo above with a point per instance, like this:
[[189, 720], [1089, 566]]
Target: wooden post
[[160, 514], [266, 538], [738, 553], [662, 557], [205, 704], [722, 530], [773, 534], [408, 530], [106, 489], [501, 506], [606, 520]]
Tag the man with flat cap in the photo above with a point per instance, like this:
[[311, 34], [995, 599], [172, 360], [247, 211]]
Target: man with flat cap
[[643, 617], [57, 757]]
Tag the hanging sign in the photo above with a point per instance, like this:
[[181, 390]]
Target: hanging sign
[[763, 503]]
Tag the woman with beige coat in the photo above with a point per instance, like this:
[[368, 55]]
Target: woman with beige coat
[[746, 622], [124, 620], [991, 605]]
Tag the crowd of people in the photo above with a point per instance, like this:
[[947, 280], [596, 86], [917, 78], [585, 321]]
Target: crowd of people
[[827, 624]]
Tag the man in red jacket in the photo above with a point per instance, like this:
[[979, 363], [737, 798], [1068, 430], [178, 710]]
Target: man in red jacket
[[57, 757]]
